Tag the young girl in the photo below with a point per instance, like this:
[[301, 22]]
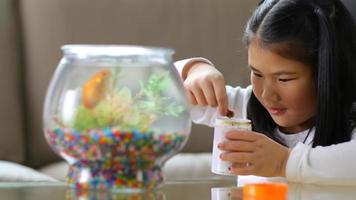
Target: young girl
[[302, 56]]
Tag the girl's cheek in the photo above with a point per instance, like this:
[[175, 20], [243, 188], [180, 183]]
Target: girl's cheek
[[256, 87]]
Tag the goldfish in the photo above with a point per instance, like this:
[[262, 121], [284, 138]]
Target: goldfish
[[95, 88]]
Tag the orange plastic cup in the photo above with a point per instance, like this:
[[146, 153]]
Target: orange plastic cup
[[265, 191]]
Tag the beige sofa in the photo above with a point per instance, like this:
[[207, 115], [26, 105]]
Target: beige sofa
[[32, 32]]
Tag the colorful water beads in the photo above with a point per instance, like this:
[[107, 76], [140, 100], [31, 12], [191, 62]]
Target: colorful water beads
[[108, 158]]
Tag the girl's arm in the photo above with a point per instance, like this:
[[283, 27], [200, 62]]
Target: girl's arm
[[334, 165], [198, 79]]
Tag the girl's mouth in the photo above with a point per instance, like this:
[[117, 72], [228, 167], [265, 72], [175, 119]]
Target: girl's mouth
[[276, 110]]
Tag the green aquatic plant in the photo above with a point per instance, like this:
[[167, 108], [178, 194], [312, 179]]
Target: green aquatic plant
[[120, 108]]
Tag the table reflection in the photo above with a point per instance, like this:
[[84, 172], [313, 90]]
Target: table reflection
[[180, 190], [295, 192], [72, 194]]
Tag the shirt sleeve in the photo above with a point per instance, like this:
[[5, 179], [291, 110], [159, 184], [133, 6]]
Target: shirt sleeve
[[329, 165], [183, 66], [237, 98]]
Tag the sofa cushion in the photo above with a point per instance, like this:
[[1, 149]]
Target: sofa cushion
[[189, 166], [12, 172]]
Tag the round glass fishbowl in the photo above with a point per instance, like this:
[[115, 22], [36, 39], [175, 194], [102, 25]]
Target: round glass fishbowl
[[116, 114]]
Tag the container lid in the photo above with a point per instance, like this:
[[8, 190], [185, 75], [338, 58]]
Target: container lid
[[264, 191], [115, 50], [238, 122]]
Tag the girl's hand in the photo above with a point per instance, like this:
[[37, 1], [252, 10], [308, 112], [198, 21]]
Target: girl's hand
[[205, 85], [252, 153]]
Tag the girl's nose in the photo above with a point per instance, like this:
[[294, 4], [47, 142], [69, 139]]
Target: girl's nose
[[270, 93]]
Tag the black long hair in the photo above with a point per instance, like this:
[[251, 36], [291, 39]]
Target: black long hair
[[322, 34]]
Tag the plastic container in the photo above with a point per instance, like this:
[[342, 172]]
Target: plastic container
[[226, 193], [265, 191], [222, 126]]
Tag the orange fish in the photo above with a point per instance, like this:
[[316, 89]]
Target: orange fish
[[95, 88]]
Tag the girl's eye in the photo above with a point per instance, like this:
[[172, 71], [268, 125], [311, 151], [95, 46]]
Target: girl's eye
[[257, 75], [285, 79]]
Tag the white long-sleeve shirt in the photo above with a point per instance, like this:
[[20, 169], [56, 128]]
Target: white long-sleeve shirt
[[332, 165]]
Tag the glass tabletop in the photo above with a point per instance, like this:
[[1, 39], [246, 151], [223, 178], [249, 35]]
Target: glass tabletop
[[181, 189], [217, 189]]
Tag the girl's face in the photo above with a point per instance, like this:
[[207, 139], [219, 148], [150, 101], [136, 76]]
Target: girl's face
[[284, 87]]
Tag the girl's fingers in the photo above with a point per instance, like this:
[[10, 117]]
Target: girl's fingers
[[199, 96], [192, 99], [248, 136], [236, 146], [239, 157], [209, 93], [221, 96]]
